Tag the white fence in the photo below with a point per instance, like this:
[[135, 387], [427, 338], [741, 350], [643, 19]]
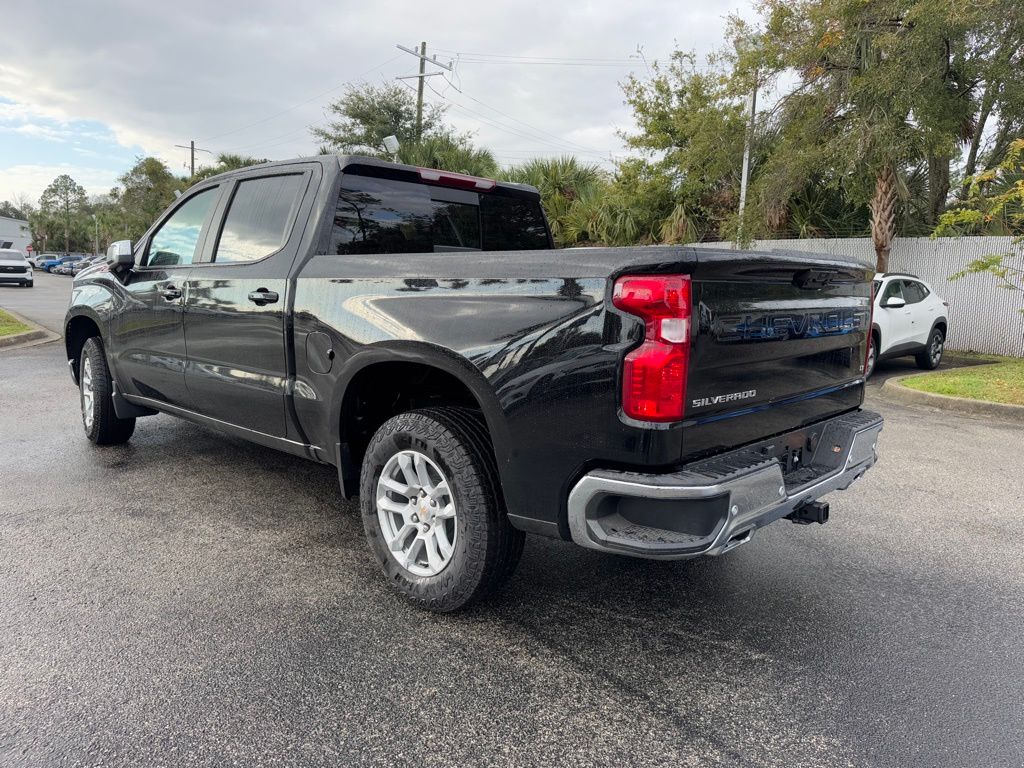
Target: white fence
[[982, 316]]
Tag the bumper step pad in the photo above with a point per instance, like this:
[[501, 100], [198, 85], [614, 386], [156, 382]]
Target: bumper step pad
[[708, 506]]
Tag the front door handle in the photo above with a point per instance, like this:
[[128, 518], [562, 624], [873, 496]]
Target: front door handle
[[262, 296], [171, 293]]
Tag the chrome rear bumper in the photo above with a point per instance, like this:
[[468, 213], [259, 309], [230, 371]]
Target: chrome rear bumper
[[714, 505]]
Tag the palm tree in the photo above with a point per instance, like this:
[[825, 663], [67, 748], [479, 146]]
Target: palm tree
[[569, 191], [447, 153]]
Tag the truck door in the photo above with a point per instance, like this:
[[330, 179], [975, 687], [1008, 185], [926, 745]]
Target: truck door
[[148, 338], [235, 315]]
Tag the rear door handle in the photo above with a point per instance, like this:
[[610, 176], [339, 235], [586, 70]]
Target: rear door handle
[[170, 293], [262, 296]]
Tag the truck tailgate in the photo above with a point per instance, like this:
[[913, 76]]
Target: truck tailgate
[[780, 342]]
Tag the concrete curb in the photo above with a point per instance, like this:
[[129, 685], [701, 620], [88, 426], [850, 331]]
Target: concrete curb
[[893, 389], [36, 335]]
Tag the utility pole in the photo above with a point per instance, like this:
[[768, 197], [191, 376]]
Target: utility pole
[[192, 154], [419, 92], [744, 178], [422, 56]]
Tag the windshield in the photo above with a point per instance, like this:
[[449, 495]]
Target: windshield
[[11, 256]]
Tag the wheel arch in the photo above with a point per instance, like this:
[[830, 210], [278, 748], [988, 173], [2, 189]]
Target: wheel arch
[[80, 326], [435, 376]]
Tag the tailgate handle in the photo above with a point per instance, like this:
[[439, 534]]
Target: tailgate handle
[[814, 278]]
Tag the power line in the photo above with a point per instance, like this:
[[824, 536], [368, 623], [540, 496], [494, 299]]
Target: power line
[[560, 144], [192, 153], [421, 76], [264, 142], [470, 60], [522, 122], [555, 59], [302, 103], [493, 123]]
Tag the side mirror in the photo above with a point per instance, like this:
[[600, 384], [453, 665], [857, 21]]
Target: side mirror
[[119, 255], [894, 302]]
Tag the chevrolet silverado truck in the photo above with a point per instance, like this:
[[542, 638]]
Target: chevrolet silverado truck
[[416, 330]]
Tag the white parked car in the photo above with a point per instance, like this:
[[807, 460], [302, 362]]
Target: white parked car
[[909, 319], [14, 268]]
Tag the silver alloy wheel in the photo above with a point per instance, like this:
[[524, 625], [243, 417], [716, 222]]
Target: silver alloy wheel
[[935, 351], [416, 511], [88, 394], [869, 367]]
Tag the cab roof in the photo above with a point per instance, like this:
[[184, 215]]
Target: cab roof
[[379, 167]]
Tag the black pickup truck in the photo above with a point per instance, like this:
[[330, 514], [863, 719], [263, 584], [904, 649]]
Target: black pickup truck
[[417, 330]]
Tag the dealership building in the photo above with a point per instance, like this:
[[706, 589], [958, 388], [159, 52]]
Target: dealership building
[[14, 234]]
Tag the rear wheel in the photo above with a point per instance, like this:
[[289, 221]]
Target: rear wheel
[[95, 386], [869, 365], [432, 509], [930, 358]]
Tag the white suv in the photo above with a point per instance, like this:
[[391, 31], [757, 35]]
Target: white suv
[[909, 319], [14, 269]]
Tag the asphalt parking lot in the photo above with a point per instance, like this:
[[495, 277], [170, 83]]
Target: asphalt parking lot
[[190, 599], [45, 303]]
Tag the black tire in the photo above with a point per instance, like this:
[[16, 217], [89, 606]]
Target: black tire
[[486, 547], [104, 428], [931, 357], [29, 284], [872, 357]]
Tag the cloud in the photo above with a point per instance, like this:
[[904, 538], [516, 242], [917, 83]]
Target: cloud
[[31, 180], [251, 78]]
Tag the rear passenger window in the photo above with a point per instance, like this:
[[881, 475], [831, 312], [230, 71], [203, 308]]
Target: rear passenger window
[[259, 218], [378, 216], [913, 292]]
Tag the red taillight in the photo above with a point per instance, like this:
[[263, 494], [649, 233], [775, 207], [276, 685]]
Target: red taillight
[[654, 374], [460, 180]]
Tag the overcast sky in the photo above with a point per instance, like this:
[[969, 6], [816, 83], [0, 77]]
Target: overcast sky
[[87, 87]]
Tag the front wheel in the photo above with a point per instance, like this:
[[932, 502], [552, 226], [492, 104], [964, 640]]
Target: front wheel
[[930, 358], [95, 388], [432, 508], [872, 359]]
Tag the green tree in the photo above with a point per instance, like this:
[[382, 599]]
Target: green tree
[[366, 114], [143, 193], [225, 162], [994, 206], [883, 86], [997, 88], [63, 201], [450, 153], [568, 190], [690, 133], [12, 210], [44, 228]]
